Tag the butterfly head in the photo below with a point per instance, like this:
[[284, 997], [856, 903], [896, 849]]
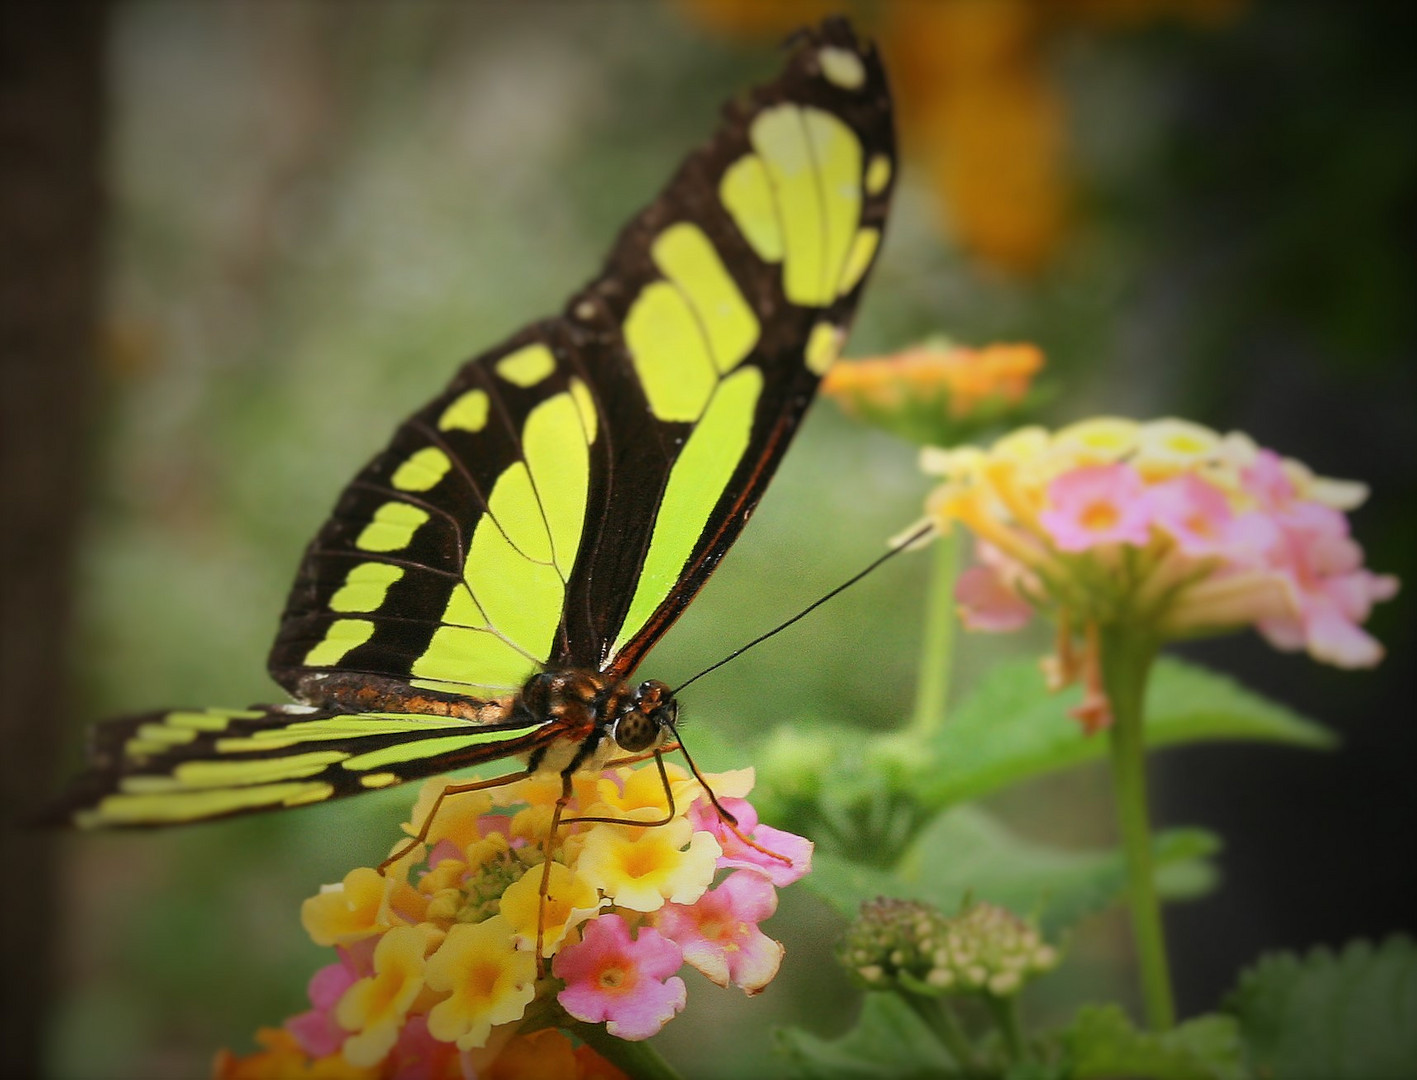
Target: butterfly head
[[645, 718]]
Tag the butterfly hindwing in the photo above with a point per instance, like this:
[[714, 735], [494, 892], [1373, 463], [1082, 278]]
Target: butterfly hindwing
[[197, 764], [568, 494]]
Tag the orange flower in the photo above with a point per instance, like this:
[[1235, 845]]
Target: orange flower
[[935, 392], [978, 103], [549, 1055], [282, 1059], [757, 18]]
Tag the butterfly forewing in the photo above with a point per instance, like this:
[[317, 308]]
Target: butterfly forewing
[[761, 245], [566, 497]]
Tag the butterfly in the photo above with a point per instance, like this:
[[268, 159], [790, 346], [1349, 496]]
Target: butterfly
[[488, 584]]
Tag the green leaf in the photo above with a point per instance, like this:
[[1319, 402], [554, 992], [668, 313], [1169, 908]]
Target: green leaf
[[845, 885], [1102, 1043], [1331, 1017], [1012, 728], [889, 1042], [967, 852]]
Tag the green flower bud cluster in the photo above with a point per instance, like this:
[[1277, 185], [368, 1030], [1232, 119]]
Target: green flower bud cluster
[[483, 889], [908, 945]]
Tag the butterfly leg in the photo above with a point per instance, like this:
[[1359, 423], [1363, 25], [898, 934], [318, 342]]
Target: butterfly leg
[[729, 821], [658, 756], [667, 748], [545, 891], [451, 789]]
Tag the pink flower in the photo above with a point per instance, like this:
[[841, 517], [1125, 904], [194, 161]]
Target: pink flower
[[620, 980], [986, 602], [1097, 504], [317, 1031], [1266, 481], [1331, 593], [738, 855], [418, 1055], [1194, 513], [719, 934]]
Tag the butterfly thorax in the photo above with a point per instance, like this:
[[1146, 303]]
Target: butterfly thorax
[[596, 715], [600, 717]]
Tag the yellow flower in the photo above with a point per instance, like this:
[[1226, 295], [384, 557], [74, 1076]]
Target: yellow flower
[[447, 875], [536, 790], [483, 852], [641, 869], [489, 982], [570, 900], [457, 819], [1093, 442], [637, 794], [532, 823], [364, 904], [734, 784], [374, 1008]]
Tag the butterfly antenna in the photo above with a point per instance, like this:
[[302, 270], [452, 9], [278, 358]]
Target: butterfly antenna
[[909, 541]]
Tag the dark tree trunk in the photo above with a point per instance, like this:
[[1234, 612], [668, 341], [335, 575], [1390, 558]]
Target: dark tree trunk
[[51, 123]]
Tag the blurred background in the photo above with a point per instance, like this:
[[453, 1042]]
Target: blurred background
[[244, 240]]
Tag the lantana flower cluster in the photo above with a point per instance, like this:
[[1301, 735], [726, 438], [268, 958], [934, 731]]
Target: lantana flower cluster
[[1166, 527], [912, 946], [936, 391], [437, 971]]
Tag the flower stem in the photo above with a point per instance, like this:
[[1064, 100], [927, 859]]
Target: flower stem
[[937, 653], [1005, 1012], [941, 1020], [637, 1059], [1126, 662]]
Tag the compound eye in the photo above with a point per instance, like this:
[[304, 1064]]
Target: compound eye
[[635, 732]]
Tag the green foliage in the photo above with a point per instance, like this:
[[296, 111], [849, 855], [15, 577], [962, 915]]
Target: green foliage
[[868, 799], [892, 1039], [968, 853], [889, 1042], [1102, 1043], [1012, 728], [1331, 1017]]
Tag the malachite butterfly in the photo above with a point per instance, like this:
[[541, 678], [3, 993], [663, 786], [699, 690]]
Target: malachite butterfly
[[487, 586]]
